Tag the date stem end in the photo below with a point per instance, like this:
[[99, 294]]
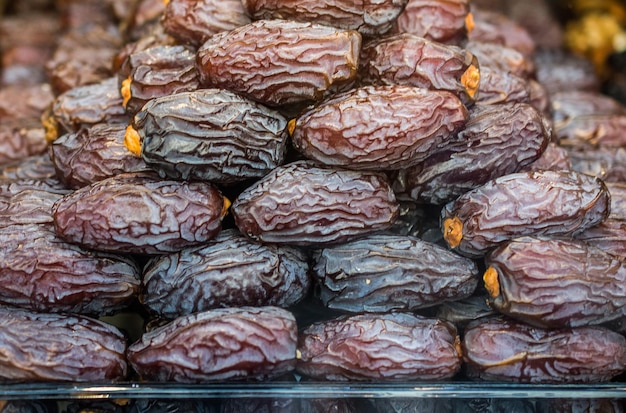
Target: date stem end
[[132, 140], [453, 231], [492, 285]]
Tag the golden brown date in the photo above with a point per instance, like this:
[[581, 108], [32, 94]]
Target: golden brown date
[[303, 204], [369, 17], [393, 346], [408, 59], [59, 347], [555, 282], [251, 343], [501, 349], [542, 203], [445, 21], [382, 273], [378, 127], [140, 213], [278, 62]]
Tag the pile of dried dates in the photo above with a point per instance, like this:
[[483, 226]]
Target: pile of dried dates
[[204, 191]]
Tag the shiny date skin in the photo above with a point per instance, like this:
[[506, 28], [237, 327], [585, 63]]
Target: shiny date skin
[[41, 272], [605, 162], [500, 86], [93, 154], [40, 347], [280, 62], [501, 349], [503, 58], [592, 131], [29, 201], [38, 167], [393, 346], [542, 203], [496, 140], [408, 59], [383, 273], [368, 17], [252, 343], [447, 21], [228, 271], [140, 213], [491, 26], [378, 127], [303, 204], [568, 105], [555, 282], [209, 134], [609, 236], [21, 138]]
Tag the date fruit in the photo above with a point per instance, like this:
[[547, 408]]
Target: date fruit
[[280, 62], [209, 134], [501, 349], [555, 282], [542, 203], [252, 343], [303, 204], [378, 127], [228, 271], [382, 273], [445, 21], [29, 201], [394, 346], [58, 347], [140, 213]]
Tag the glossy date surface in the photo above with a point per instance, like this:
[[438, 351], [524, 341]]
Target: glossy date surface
[[447, 21]]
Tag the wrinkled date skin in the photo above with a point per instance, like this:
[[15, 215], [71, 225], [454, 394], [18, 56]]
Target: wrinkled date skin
[[502, 58], [29, 201], [59, 347], [408, 59], [444, 21], [609, 236], [555, 282], [605, 162], [140, 213], [38, 167], [93, 154], [279, 62], [378, 127], [501, 349], [303, 204], [500, 86], [209, 134], [586, 131], [496, 140], [543, 203], [224, 344], [570, 104], [369, 17], [21, 138], [394, 346], [494, 27], [193, 22], [553, 158], [158, 71], [382, 273], [41, 272], [229, 271]]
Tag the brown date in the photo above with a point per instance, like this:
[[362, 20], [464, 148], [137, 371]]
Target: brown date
[[445, 21], [58, 347], [140, 213], [303, 204], [605, 162], [555, 282], [279, 62], [31, 167], [24, 102], [209, 134], [392, 346], [542, 203], [599, 130], [369, 17], [41, 272], [21, 138], [609, 236], [562, 70], [491, 26], [382, 273], [554, 158], [252, 343], [500, 86], [568, 105], [501, 349], [228, 271], [378, 127], [408, 59], [502, 58], [618, 200], [93, 154], [29, 201]]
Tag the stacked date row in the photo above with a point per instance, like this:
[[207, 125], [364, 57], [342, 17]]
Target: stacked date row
[[377, 166]]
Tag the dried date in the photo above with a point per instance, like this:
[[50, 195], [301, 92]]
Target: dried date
[[609, 236], [554, 158], [209, 134], [228, 271], [383, 273], [502, 58], [369, 17], [599, 130], [280, 62], [21, 138], [140, 213], [561, 70], [408, 59], [555, 282], [31, 167], [303, 204], [491, 26], [618, 200], [543, 203], [568, 105], [58, 347], [29, 201], [447, 21], [378, 127], [505, 350], [393, 346], [605, 162], [500, 86], [252, 343]]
